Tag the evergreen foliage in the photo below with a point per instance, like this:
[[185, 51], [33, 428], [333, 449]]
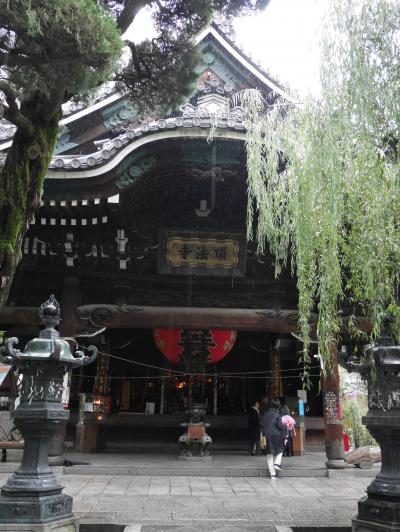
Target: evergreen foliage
[[56, 44], [324, 176], [162, 72]]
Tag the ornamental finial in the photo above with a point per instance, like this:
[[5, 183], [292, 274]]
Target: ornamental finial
[[49, 312]]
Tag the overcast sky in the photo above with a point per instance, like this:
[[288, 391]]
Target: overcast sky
[[284, 38]]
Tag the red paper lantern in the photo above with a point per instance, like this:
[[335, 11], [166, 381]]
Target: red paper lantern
[[168, 340]]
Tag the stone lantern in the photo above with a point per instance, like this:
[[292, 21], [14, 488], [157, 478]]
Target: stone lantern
[[32, 494], [380, 368]]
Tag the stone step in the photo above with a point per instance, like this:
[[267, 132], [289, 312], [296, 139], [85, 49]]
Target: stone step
[[197, 470]]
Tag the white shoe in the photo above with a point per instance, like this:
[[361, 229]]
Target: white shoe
[[278, 467], [273, 477]]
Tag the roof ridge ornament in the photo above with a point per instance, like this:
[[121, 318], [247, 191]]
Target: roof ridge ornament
[[211, 84]]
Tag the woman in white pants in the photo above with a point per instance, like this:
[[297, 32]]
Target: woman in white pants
[[272, 427]]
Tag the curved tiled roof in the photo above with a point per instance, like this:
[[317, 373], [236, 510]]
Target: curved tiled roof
[[194, 118], [109, 148]]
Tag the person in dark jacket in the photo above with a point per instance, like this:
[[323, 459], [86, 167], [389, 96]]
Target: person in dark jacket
[[283, 407], [254, 429], [272, 427]]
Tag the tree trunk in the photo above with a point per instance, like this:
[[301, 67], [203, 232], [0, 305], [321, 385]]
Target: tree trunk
[[21, 180]]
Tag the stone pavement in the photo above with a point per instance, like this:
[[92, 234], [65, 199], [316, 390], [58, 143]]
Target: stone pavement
[[168, 502], [208, 501]]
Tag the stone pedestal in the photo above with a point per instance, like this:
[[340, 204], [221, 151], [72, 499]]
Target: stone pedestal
[[380, 367], [382, 505], [38, 509], [32, 494], [358, 525], [32, 497], [70, 524]]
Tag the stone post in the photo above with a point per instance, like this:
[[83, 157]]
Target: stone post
[[380, 368], [32, 495], [333, 416]]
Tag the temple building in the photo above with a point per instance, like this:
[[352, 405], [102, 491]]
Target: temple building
[[142, 238]]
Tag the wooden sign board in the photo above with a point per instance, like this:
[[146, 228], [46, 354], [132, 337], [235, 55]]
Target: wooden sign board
[[203, 254]]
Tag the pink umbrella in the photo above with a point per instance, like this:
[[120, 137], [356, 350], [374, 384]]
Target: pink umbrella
[[289, 422]]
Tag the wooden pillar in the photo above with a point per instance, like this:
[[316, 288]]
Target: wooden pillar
[[89, 433], [215, 393], [126, 395], [69, 303], [277, 387], [162, 395], [243, 393], [101, 388], [333, 416]]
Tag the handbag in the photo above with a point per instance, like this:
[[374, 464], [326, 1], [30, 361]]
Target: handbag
[[263, 441]]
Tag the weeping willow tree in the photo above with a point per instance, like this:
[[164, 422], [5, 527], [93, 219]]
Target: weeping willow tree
[[323, 176]]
